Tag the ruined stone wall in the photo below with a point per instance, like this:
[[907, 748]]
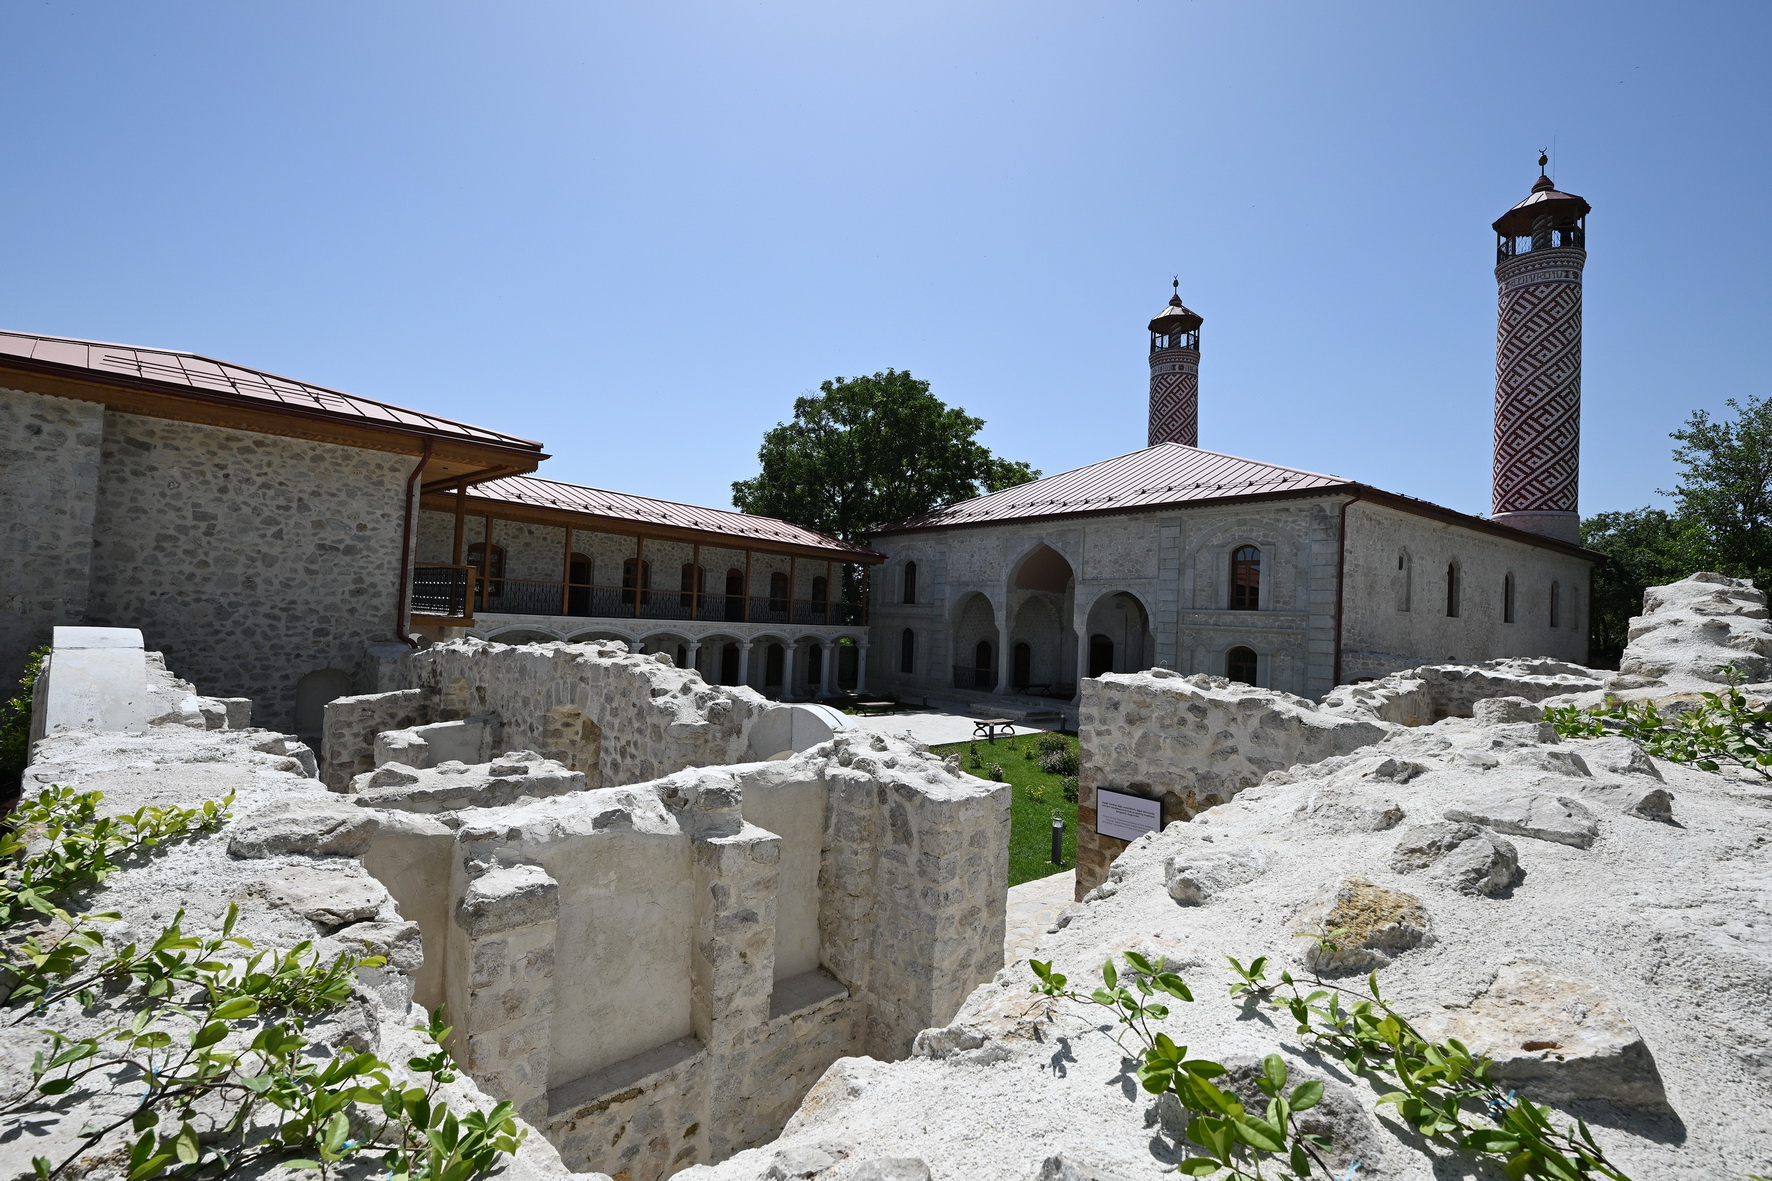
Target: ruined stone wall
[[1396, 596], [49, 465], [656, 978], [616, 716], [249, 560], [1191, 743]]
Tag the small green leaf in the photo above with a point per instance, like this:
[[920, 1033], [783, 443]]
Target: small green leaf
[[1307, 1095], [1198, 1166]]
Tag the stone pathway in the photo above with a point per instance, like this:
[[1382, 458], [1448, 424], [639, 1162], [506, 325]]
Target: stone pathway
[[1034, 906], [930, 728]]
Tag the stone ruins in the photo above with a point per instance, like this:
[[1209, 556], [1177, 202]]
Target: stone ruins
[[680, 943]]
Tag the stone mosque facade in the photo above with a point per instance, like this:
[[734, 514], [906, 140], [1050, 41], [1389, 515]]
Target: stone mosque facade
[[1189, 559]]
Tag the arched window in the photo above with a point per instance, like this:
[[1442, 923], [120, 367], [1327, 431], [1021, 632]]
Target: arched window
[[774, 663], [579, 571], [1507, 598], [1240, 664], [1452, 590], [982, 666], [693, 579], [907, 651], [1405, 580], [636, 574], [729, 664], [489, 562], [1246, 579], [778, 593], [735, 596], [821, 594], [910, 582], [1556, 605]]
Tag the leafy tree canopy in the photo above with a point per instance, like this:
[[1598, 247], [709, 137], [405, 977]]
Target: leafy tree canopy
[[866, 451], [1726, 490], [1721, 520]]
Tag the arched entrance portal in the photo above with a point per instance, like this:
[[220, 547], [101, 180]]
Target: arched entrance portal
[[1042, 597], [975, 633], [1120, 639]]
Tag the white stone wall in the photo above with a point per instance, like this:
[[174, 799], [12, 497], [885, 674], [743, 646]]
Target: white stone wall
[[1192, 742], [1177, 565], [656, 978], [49, 464], [1379, 637]]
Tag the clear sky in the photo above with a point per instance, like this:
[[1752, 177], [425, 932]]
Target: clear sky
[[638, 231]]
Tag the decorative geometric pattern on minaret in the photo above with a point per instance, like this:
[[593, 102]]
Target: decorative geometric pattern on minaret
[[1538, 382], [1175, 397]]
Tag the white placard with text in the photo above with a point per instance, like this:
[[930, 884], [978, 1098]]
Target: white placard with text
[[1126, 817]]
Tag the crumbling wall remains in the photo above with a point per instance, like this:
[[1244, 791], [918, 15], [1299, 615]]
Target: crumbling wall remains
[[1191, 743], [1423, 696], [654, 976], [616, 716]]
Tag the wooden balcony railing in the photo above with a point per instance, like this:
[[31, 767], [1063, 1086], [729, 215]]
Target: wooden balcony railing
[[443, 592], [521, 596]]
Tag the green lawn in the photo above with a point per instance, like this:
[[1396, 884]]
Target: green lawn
[[1038, 796]]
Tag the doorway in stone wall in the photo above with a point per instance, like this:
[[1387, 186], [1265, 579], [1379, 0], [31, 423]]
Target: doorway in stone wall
[[1101, 655], [729, 664], [312, 693], [1023, 660], [983, 677]]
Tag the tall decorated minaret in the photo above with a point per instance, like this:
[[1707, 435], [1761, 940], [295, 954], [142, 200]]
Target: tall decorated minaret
[[1541, 248], [1175, 374]]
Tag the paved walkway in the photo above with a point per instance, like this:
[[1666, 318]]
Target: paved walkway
[[1034, 906], [931, 727]]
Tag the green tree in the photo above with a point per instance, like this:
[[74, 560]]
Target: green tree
[[866, 451], [1726, 490], [1646, 547]]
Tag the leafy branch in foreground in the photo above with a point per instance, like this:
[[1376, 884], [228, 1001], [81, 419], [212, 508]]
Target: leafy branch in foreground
[[1236, 1139], [1441, 1089], [1724, 730], [211, 1029]]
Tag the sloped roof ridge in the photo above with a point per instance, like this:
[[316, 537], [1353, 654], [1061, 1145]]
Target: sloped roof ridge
[[395, 411], [1169, 473], [628, 506]]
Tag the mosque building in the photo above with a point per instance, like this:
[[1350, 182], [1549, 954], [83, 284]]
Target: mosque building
[[1202, 562]]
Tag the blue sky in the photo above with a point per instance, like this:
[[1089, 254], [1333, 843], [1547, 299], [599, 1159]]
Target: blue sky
[[638, 231]]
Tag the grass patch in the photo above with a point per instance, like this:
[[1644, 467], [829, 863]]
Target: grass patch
[[1037, 795]]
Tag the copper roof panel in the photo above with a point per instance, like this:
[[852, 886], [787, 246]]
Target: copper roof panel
[[644, 509], [1169, 473], [195, 372]]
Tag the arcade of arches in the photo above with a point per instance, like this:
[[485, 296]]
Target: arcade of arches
[[1044, 653]]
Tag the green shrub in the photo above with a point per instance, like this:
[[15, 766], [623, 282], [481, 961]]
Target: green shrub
[[231, 1082], [15, 724], [1442, 1090], [1050, 743], [1060, 762], [1068, 785], [1725, 730]]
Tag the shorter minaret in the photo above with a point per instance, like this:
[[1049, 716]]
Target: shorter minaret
[[1175, 374], [1541, 247]]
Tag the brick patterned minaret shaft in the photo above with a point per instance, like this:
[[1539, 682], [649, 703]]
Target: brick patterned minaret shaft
[[1175, 375], [1541, 249]]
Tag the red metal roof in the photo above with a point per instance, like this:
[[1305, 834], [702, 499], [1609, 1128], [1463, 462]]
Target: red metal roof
[[643, 509], [191, 371], [1169, 473]]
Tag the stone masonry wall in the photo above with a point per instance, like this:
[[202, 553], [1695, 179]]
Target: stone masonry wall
[[609, 956], [49, 464], [616, 716], [249, 559], [1395, 591], [1191, 742]]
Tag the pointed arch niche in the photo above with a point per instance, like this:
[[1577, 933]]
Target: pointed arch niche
[[1043, 643]]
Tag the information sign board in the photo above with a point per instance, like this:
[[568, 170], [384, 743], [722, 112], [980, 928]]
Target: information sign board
[[1126, 817]]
